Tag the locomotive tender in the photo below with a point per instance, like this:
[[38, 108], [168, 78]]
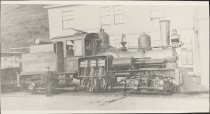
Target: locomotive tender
[[96, 66]]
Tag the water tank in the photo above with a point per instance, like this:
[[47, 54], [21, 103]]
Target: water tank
[[104, 39], [165, 32], [144, 41]]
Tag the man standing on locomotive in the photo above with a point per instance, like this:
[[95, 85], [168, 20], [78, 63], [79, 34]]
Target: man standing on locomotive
[[70, 51]]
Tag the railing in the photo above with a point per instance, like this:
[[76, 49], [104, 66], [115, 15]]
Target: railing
[[11, 58], [16, 50]]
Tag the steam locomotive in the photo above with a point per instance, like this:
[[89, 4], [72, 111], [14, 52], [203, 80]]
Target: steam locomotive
[[97, 66]]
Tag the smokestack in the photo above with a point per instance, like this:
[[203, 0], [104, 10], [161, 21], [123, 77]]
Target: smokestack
[[165, 32]]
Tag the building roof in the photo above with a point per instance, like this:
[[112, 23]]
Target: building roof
[[58, 6], [70, 37]]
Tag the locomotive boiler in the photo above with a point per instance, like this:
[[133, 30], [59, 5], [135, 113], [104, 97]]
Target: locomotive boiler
[[97, 66]]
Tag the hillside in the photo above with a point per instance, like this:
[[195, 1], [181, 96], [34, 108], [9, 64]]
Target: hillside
[[21, 24]]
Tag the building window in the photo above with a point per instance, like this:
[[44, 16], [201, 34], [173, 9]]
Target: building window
[[118, 15], [68, 20], [105, 16]]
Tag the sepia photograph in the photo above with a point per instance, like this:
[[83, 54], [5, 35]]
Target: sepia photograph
[[104, 57]]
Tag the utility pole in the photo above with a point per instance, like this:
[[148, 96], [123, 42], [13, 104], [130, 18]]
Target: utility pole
[[196, 50]]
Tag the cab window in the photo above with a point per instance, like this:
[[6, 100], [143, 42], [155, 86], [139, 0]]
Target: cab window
[[74, 48], [70, 48]]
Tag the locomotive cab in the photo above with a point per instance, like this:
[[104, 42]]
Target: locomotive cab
[[70, 48], [79, 45]]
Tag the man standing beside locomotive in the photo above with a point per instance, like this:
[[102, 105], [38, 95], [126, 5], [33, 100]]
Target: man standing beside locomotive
[[49, 82]]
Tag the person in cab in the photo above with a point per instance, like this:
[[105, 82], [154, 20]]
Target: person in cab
[[70, 51]]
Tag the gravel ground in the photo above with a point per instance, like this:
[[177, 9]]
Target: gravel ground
[[104, 102]]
